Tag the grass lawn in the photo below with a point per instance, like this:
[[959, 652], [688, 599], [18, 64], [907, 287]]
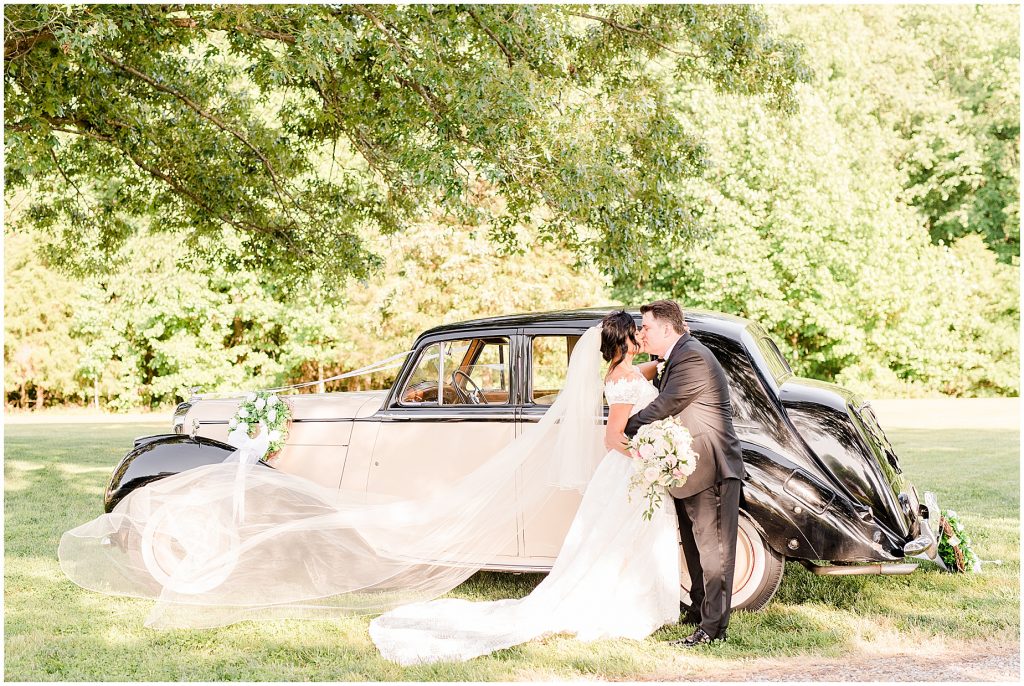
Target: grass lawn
[[54, 479]]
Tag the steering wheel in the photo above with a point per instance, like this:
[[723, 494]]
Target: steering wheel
[[476, 397]]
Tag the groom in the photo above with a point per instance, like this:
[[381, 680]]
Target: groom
[[692, 386]]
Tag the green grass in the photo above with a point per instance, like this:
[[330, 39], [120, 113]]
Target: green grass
[[54, 478]]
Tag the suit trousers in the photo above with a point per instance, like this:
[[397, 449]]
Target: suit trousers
[[707, 527]]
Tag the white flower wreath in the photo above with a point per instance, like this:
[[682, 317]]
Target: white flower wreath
[[270, 409]]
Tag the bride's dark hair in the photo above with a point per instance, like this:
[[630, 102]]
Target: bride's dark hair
[[617, 330]]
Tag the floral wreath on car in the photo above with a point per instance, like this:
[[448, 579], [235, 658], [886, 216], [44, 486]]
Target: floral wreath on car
[[270, 409], [954, 544]]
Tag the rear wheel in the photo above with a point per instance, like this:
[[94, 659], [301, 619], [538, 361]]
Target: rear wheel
[[758, 570]]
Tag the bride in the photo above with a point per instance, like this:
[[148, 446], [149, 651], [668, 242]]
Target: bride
[[228, 542]]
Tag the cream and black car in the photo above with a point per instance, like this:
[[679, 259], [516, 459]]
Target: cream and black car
[[824, 486]]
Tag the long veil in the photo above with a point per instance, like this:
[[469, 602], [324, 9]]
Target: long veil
[[299, 550]]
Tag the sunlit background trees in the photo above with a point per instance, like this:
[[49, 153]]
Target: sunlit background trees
[[257, 196]]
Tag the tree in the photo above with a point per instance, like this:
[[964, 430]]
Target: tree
[[303, 129], [816, 238], [39, 354]]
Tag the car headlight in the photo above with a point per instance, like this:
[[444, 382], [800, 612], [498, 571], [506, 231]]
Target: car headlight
[[178, 420]]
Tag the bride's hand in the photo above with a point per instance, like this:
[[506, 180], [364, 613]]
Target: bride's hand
[[618, 442]]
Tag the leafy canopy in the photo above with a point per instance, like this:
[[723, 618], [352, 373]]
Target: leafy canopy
[[303, 129]]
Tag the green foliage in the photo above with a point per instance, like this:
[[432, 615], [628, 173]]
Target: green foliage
[[815, 240], [39, 360], [199, 118], [578, 146], [958, 542], [148, 332], [961, 156]]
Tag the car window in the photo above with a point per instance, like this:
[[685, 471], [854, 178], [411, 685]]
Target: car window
[[751, 408], [777, 364], [421, 388], [550, 362], [472, 371]]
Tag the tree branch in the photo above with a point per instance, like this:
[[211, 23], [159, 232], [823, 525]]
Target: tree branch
[[209, 116], [630, 29], [414, 85], [67, 179], [22, 45], [508, 55]]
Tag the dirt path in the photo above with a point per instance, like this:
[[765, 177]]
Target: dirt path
[[980, 661]]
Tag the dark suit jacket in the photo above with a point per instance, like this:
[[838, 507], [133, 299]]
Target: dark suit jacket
[[693, 387]]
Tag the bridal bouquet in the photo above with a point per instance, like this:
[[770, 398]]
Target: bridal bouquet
[[664, 459]]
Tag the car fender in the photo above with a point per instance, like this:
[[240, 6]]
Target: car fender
[[800, 516], [155, 457]]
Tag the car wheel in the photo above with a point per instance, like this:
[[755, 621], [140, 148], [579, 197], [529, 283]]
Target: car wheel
[[758, 571], [177, 546]]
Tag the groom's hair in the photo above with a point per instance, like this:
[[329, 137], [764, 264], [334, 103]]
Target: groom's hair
[[667, 311]]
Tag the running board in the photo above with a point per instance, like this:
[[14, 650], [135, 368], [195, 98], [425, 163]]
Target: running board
[[845, 570]]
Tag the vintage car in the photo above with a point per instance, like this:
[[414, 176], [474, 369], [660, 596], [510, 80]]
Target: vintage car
[[824, 486]]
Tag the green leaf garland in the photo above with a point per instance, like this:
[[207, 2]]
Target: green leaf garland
[[269, 408], [955, 545]]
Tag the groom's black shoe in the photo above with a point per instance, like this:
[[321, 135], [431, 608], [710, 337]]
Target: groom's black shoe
[[697, 638]]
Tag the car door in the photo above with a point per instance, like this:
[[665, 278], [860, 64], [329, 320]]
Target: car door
[[449, 413], [546, 361]]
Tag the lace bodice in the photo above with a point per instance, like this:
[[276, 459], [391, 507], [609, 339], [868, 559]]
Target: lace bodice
[[633, 390]]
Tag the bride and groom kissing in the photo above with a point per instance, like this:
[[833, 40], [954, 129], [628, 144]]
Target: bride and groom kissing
[[692, 386], [304, 551]]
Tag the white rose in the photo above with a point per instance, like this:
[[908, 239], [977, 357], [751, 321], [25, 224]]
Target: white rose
[[953, 540], [661, 446], [646, 451], [233, 422], [243, 413], [274, 435], [272, 401], [272, 416], [661, 367], [250, 396], [244, 427], [260, 403], [651, 474]]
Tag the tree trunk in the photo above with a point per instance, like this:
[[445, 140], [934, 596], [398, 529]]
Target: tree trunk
[[23, 396], [40, 396], [96, 394]]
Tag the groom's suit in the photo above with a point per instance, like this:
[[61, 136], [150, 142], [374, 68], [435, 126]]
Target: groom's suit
[[693, 387]]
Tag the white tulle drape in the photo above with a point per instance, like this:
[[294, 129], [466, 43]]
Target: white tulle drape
[[211, 554]]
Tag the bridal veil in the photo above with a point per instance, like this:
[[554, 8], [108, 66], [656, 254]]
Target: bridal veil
[[233, 541]]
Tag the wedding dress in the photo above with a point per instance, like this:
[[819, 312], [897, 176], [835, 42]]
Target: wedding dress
[[222, 543], [616, 576]]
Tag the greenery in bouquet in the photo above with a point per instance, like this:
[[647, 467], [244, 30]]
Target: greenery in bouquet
[[664, 459], [955, 545], [272, 411]]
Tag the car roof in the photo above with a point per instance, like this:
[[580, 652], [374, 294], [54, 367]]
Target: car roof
[[697, 319]]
